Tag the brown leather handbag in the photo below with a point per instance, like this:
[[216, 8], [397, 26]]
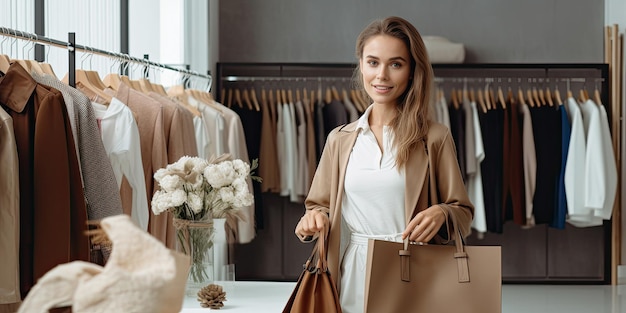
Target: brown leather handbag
[[315, 290], [403, 277]]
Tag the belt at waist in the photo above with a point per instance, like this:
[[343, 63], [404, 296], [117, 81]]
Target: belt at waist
[[361, 239]]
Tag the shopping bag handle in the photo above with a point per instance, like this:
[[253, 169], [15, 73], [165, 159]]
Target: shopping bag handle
[[460, 254]]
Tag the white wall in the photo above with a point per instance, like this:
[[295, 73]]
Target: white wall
[[16, 14]]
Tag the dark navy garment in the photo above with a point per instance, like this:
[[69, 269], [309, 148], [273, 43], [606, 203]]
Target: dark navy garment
[[560, 214], [491, 124], [546, 122], [457, 130]]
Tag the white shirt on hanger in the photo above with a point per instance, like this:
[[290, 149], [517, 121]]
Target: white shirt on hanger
[[530, 162], [302, 174], [202, 137], [475, 180], [575, 167], [214, 123], [600, 167], [120, 136]]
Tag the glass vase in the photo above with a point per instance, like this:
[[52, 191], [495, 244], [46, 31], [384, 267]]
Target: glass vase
[[199, 246]]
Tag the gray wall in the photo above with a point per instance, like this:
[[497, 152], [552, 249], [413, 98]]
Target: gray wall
[[493, 31]]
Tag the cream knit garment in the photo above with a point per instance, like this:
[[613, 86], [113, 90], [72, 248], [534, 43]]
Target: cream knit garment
[[142, 275]]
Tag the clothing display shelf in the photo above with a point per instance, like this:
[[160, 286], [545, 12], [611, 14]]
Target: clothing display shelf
[[540, 254], [72, 47]]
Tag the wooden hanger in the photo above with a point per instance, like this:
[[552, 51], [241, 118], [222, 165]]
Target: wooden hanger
[[283, 95], [5, 62], [542, 98], [126, 80], [583, 95], [485, 93], [596, 96], [501, 98], [520, 96], [509, 96], [23, 63], [335, 93], [290, 96], [454, 98], [145, 85], [95, 80], [536, 97], [328, 96], [255, 101], [557, 96], [180, 96], [569, 91], [84, 84], [208, 96], [492, 98], [229, 99], [47, 69], [481, 101], [246, 99], [549, 97], [270, 96], [275, 97], [354, 96], [34, 66], [160, 89], [529, 98], [344, 94], [176, 90], [112, 81], [263, 97]]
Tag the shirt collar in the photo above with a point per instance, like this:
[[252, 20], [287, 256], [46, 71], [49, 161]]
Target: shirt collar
[[363, 122], [16, 87]]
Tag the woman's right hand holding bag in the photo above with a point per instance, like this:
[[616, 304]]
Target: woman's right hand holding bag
[[311, 223]]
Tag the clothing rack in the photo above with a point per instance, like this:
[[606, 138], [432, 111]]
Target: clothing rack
[[539, 241], [72, 47]]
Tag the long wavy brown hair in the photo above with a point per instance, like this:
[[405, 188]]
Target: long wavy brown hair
[[410, 125]]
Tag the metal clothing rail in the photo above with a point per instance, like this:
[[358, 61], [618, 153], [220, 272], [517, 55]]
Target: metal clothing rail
[[284, 78], [72, 47], [468, 79]]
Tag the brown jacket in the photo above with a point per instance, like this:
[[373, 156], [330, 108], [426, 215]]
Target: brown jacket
[[436, 170], [52, 204]]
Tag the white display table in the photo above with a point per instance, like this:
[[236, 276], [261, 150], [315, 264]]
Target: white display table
[[248, 296]]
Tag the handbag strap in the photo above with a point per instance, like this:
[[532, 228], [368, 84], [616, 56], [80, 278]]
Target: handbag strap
[[460, 255], [322, 246], [319, 253]]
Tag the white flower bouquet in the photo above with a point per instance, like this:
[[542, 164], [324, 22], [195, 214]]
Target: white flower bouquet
[[195, 191]]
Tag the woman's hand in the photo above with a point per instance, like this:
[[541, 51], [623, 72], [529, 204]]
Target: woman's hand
[[312, 222], [425, 225]]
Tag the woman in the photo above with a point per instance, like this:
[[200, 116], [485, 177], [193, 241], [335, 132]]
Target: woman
[[391, 174]]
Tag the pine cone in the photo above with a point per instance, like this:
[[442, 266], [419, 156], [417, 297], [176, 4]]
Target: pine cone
[[212, 296]]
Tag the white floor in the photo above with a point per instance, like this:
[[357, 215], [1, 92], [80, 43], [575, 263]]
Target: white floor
[[271, 297], [563, 298]]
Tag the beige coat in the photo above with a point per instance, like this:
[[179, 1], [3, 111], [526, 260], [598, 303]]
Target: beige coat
[[436, 170]]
